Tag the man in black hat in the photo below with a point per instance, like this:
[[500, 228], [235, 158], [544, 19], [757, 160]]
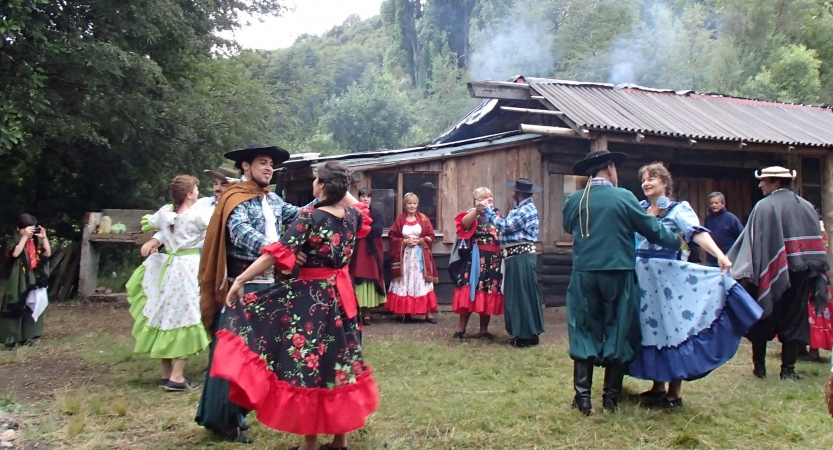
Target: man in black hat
[[518, 231], [246, 218], [603, 299]]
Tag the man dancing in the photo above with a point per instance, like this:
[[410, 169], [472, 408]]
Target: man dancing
[[517, 234], [782, 253], [246, 218], [602, 298]]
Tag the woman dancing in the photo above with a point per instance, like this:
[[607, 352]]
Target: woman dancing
[[292, 352], [693, 316], [478, 288], [164, 292]]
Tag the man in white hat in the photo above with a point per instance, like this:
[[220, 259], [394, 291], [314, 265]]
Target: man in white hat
[[781, 253]]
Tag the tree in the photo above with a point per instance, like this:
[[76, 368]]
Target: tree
[[371, 115]]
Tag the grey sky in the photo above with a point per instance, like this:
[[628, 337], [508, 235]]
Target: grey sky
[[308, 16]]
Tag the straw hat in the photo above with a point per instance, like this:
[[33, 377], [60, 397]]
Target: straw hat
[[775, 172], [223, 173]]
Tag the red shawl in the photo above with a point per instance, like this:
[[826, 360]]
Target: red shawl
[[426, 240]]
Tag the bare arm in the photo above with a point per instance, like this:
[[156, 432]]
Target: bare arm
[[258, 267], [470, 218], [21, 244], [705, 241], [44, 243]]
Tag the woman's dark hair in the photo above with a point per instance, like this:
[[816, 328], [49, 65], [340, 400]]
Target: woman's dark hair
[[336, 179], [364, 191], [26, 220], [181, 186]]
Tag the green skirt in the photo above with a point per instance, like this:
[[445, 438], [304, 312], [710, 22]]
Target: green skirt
[[18, 330], [524, 314], [603, 317], [368, 296], [215, 412]]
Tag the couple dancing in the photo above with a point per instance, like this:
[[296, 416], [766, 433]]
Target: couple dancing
[[633, 306]]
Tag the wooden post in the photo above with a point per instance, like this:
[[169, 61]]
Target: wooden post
[[88, 272], [827, 200], [600, 143]]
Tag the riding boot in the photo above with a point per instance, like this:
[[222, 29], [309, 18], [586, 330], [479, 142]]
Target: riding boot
[[582, 381], [789, 353], [614, 375], [759, 358]]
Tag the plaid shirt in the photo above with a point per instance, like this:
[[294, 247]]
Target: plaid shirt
[[246, 225], [600, 182], [521, 225]]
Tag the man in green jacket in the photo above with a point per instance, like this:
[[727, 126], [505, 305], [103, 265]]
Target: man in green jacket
[[602, 299]]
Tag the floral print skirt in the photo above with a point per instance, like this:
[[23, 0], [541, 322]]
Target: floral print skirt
[[821, 327], [291, 354]]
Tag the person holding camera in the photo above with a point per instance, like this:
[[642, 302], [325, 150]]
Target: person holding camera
[[24, 300]]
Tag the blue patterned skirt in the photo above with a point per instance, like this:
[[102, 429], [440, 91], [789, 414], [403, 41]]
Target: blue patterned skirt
[[693, 318]]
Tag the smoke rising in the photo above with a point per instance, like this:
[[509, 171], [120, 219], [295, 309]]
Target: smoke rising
[[636, 53], [514, 47]]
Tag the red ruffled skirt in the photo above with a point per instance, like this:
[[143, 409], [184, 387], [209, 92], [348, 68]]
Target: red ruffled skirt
[[486, 303], [821, 328], [292, 354], [412, 305]]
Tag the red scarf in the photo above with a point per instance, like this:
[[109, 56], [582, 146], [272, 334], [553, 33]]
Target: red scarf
[[32, 251], [397, 247]]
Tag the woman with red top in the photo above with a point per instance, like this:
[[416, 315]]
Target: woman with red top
[[413, 270], [478, 286], [292, 352], [821, 325], [366, 265]]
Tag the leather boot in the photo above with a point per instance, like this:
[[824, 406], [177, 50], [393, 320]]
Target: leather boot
[[582, 381], [789, 353], [759, 358], [614, 376]]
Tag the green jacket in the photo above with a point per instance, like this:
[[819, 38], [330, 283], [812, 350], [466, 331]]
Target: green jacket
[[615, 215], [22, 279]]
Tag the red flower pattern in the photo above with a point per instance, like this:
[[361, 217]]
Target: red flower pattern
[[298, 340]]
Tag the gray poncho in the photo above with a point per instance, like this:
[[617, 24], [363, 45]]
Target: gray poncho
[[782, 234]]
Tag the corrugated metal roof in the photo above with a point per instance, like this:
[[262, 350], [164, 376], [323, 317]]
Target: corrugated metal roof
[[390, 158], [597, 106]]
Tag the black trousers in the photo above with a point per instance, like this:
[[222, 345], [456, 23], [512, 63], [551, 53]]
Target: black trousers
[[789, 319]]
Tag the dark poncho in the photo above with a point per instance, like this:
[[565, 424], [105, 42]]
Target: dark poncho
[[782, 234]]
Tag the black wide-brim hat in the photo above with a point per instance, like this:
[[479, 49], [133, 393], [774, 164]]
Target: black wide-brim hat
[[595, 159], [278, 155], [523, 185]]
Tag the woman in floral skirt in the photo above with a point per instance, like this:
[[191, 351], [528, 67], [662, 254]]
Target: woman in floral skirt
[[292, 352], [413, 270], [164, 292], [478, 287]]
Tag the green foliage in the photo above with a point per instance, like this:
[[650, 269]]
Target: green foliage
[[792, 76], [371, 115]]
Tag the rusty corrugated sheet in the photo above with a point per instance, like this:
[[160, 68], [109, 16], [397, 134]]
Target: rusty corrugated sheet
[[688, 115]]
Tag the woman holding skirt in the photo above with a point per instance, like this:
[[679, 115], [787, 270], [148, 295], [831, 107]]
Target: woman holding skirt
[[478, 287], [292, 352], [366, 265], [693, 317], [412, 264], [164, 292]]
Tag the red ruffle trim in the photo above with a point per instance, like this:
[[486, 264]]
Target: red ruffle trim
[[820, 338], [462, 233], [411, 305], [490, 304], [284, 258], [288, 408]]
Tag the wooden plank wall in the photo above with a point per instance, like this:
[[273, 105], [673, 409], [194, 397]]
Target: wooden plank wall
[[461, 176], [696, 191]]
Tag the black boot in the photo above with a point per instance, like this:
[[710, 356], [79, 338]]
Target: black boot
[[789, 353], [759, 358], [613, 387], [582, 381]]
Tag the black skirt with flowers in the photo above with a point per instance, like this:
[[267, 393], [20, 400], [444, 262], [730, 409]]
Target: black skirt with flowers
[[292, 353]]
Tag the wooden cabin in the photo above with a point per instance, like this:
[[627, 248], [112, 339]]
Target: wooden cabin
[[537, 128]]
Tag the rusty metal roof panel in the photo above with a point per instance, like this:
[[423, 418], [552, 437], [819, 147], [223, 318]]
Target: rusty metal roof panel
[[687, 114]]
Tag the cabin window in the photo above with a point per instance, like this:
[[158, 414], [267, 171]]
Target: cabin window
[[811, 180], [388, 188]]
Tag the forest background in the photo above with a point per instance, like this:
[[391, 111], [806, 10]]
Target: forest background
[[102, 103]]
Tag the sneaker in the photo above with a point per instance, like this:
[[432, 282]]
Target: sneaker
[[177, 387], [163, 382]]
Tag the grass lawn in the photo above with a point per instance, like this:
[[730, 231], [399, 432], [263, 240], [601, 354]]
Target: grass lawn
[[83, 388]]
